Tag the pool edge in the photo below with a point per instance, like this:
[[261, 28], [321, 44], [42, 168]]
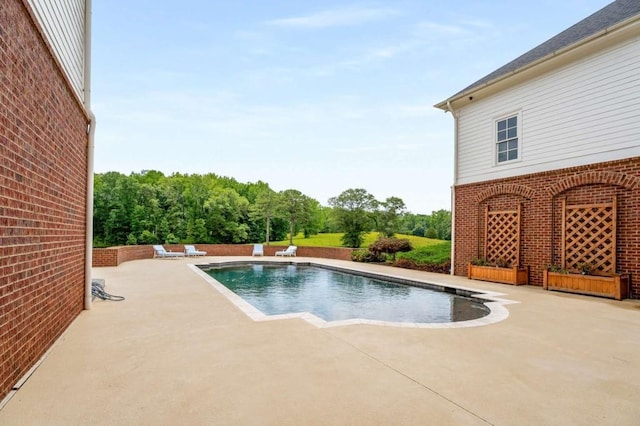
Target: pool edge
[[496, 305]]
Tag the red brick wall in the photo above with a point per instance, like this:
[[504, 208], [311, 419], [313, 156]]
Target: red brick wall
[[43, 169], [540, 196], [113, 256]]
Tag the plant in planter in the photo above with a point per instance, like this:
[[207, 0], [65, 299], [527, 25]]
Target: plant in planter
[[501, 263], [581, 280], [500, 271], [481, 261], [557, 268], [585, 268]]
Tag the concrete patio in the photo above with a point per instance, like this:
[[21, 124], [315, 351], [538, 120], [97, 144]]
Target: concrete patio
[[176, 351]]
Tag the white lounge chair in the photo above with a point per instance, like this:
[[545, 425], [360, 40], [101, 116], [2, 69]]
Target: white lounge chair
[[290, 251], [191, 251], [258, 250], [160, 251]]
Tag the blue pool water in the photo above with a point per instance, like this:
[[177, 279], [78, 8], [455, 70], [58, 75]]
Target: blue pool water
[[334, 296]]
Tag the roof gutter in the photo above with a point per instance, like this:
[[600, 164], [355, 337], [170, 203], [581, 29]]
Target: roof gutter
[[91, 128], [629, 22]]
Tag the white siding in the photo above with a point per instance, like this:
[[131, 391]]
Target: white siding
[[586, 112], [63, 22]]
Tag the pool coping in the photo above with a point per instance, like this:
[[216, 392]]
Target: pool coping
[[496, 305]]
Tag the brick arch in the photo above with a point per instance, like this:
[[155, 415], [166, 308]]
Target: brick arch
[[505, 188], [595, 177]]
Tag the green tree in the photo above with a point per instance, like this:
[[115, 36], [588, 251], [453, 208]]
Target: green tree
[[131, 240], [441, 222], [390, 215], [353, 210], [295, 208], [265, 208], [436, 225], [149, 207], [100, 209], [313, 224], [226, 213], [171, 196], [197, 231], [147, 237], [328, 220], [115, 197], [146, 214], [431, 233]]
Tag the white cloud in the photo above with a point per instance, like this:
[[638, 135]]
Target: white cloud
[[422, 37], [434, 28], [454, 35], [343, 17]]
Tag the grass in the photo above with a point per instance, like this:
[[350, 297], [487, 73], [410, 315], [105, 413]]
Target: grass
[[435, 253], [425, 250], [334, 240]]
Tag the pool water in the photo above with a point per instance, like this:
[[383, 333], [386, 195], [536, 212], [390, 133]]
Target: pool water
[[335, 296]]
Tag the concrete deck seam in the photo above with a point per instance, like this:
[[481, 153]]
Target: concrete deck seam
[[419, 383]]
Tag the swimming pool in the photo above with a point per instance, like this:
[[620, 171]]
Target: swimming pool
[[337, 296]]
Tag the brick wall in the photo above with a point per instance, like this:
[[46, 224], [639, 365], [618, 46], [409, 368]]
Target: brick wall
[[43, 167], [541, 197], [113, 256]]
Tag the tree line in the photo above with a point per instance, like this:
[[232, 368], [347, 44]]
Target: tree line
[[150, 208]]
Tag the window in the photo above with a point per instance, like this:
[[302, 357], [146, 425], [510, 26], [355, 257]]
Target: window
[[507, 139]]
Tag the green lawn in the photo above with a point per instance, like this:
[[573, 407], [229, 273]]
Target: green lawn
[[333, 240], [436, 253]]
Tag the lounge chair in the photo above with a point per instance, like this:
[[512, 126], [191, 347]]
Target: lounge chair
[[191, 251], [159, 251], [290, 251], [258, 250]]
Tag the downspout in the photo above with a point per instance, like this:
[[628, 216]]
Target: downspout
[[453, 229], [91, 128], [453, 187]]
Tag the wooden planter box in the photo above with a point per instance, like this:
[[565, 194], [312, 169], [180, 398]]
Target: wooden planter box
[[614, 287], [514, 276]]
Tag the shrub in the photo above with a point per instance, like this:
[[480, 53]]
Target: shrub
[[99, 243], [419, 231], [352, 239], [172, 239], [441, 268], [131, 240], [431, 233], [433, 254], [434, 258], [365, 255], [147, 237], [390, 246], [359, 255]]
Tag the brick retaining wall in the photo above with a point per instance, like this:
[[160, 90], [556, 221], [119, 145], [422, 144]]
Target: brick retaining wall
[[113, 256]]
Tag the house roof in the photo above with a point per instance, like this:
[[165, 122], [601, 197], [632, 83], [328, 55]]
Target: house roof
[[614, 13]]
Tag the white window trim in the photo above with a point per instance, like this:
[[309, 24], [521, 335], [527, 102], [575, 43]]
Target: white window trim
[[494, 137]]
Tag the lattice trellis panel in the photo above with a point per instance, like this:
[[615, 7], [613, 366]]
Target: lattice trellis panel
[[589, 236], [502, 236]]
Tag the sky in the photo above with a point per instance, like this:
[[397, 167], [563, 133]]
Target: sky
[[318, 96]]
